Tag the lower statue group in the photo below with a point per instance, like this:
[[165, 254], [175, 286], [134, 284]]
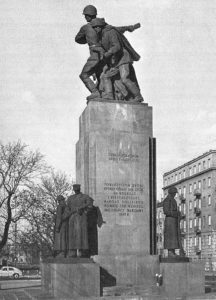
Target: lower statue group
[[76, 233]]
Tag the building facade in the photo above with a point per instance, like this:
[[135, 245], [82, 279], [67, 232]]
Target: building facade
[[196, 184]]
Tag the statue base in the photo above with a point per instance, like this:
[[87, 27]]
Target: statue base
[[70, 278], [182, 279]]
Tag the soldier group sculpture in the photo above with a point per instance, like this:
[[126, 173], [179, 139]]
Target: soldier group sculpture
[[76, 226], [108, 72]]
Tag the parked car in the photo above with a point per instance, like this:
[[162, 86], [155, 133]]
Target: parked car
[[10, 272]]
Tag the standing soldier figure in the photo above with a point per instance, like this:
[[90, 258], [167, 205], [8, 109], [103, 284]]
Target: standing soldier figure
[[60, 235], [172, 238], [77, 226]]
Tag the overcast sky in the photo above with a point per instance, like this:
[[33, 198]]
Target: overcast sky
[[42, 97]]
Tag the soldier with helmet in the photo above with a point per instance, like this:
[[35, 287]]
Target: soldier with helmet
[[87, 35], [120, 55], [172, 239]]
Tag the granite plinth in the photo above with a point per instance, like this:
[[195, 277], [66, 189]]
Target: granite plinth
[[70, 280], [174, 259], [132, 269], [113, 167], [182, 279]]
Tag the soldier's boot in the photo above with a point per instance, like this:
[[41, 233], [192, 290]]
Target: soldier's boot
[[72, 253], [108, 90], [91, 86], [135, 91], [171, 252]]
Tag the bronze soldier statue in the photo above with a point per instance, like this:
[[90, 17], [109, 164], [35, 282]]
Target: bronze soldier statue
[[172, 238], [77, 223], [94, 220], [61, 228], [94, 64], [119, 56]]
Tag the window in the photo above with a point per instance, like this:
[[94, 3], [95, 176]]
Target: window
[[199, 167], [190, 205], [195, 222], [176, 177], [165, 182], [199, 184], [200, 242], [160, 215], [204, 183], [209, 199], [179, 175], [200, 223], [209, 240], [209, 163], [209, 181], [184, 208], [209, 220], [190, 171], [195, 203], [168, 180], [184, 191], [204, 165], [180, 191], [195, 241], [191, 241], [184, 243], [190, 223], [199, 203], [184, 225], [190, 188], [194, 169], [184, 174], [195, 186]]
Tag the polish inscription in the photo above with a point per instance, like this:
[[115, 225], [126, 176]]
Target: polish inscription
[[123, 198], [125, 157]]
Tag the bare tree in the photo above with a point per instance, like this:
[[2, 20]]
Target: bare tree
[[41, 215], [19, 168]]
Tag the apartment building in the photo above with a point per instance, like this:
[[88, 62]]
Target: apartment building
[[196, 184]]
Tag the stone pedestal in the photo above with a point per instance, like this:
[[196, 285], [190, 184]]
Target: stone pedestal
[[181, 279], [70, 278], [114, 166]]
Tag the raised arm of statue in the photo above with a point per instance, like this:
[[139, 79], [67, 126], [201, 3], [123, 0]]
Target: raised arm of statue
[[129, 28]]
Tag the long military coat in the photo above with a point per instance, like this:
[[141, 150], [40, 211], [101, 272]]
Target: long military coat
[[77, 226], [171, 224], [61, 230], [94, 220]]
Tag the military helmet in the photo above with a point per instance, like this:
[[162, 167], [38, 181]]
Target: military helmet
[[98, 22], [172, 190], [90, 10]]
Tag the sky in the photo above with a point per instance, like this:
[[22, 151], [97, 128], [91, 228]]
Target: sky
[[42, 97]]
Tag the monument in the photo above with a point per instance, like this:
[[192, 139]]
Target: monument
[[115, 163], [116, 166]]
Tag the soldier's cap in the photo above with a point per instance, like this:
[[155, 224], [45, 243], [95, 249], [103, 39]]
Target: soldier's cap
[[76, 187], [60, 198], [172, 190], [98, 22]]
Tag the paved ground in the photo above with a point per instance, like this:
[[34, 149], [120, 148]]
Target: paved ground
[[35, 294]]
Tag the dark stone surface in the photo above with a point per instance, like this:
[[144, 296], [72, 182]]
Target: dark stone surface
[[69, 260], [112, 166], [70, 280], [182, 279], [176, 259]]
